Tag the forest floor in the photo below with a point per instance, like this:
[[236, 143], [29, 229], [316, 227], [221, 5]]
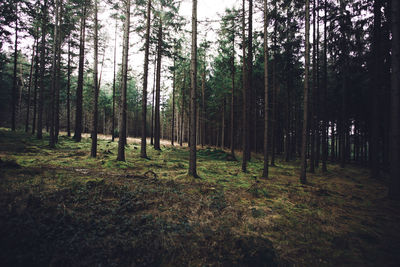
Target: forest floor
[[59, 207]]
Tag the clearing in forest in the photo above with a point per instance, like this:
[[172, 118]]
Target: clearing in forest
[[60, 207]]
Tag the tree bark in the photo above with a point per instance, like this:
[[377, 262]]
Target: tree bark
[[324, 98], [28, 102], [245, 88], [79, 89], [233, 92], [376, 87], [193, 85], [93, 153], [123, 113], [15, 89], [394, 190], [143, 153], [157, 129], [114, 82], [303, 177], [266, 100], [39, 133], [54, 81], [69, 90], [35, 85], [173, 102]]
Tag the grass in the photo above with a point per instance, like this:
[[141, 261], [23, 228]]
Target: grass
[[60, 205]]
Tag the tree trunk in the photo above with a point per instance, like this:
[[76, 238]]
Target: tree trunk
[[193, 85], [233, 92], [173, 103], [303, 177], [114, 81], [28, 102], [93, 153], [39, 133], [313, 99], [394, 190], [69, 90], [157, 128], [245, 85], [223, 124], [58, 73], [123, 113], [376, 87], [274, 95], [54, 81], [250, 90], [266, 100], [15, 89], [35, 85], [79, 89], [203, 85], [152, 103], [324, 99], [143, 153]]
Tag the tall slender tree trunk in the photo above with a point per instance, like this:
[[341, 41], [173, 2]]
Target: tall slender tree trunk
[[394, 190], [343, 121], [318, 96], [39, 133], [274, 95], [266, 100], [54, 81], [157, 129], [193, 85], [58, 73], [143, 153], [15, 89], [123, 113], [28, 102], [114, 84], [245, 89], [35, 86], [313, 99], [250, 91], [303, 177], [79, 89], [69, 89], [203, 97], [182, 110], [93, 153], [376, 87], [233, 92], [173, 103], [152, 103], [324, 98], [223, 124]]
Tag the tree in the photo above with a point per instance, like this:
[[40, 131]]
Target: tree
[[28, 102], [95, 84], [79, 89], [193, 85], [266, 100], [125, 50], [54, 80], [113, 86], [394, 191], [303, 177], [145, 77], [158, 87], [15, 89], [245, 142], [42, 70]]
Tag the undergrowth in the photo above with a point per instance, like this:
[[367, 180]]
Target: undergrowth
[[61, 207]]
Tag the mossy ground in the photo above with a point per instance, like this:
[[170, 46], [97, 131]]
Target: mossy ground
[[61, 207]]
